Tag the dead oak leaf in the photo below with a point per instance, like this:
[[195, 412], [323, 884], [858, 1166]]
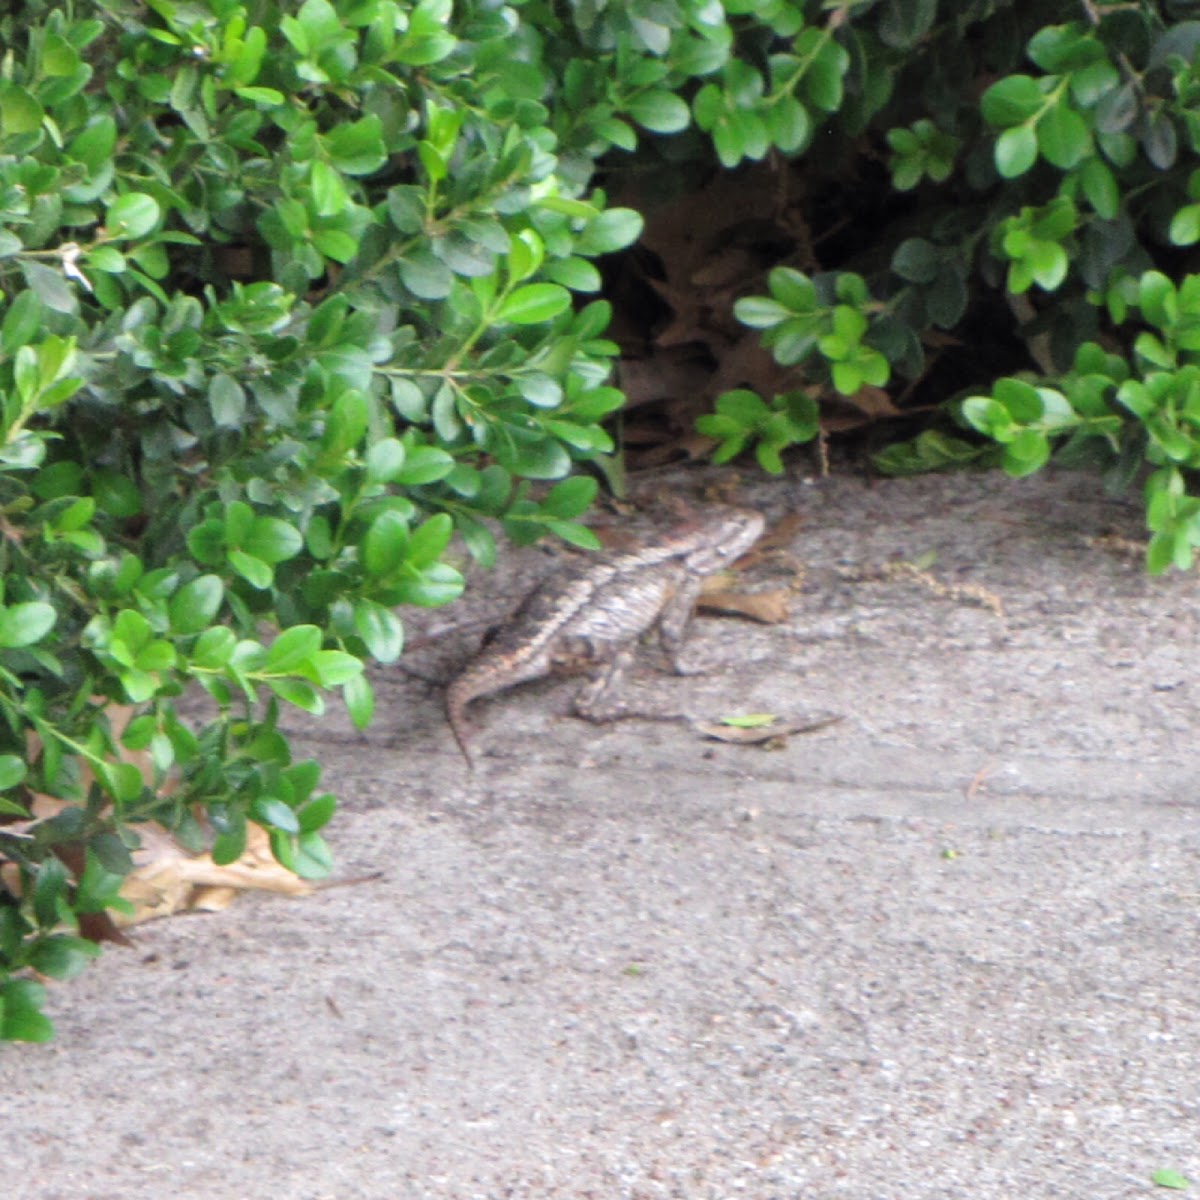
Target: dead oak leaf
[[768, 608]]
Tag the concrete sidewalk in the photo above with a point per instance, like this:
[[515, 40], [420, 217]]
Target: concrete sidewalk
[[949, 946]]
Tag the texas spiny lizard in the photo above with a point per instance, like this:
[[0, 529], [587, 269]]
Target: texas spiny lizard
[[589, 617]]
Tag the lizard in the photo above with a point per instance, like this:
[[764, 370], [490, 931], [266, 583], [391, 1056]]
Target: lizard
[[592, 615]]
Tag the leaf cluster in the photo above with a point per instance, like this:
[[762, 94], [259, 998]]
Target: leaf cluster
[[290, 294], [1046, 153]]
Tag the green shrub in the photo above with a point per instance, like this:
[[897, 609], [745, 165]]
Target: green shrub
[[288, 299], [1065, 187], [290, 294]]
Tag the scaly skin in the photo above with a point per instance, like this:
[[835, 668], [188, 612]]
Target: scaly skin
[[591, 614]]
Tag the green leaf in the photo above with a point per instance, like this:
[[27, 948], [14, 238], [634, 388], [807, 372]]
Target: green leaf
[[793, 288], [609, 231], [194, 606], [63, 956], [317, 813], [274, 814], [789, 124], [380, 628], [1012, 101], [1016, 151], [268, 97], [346, 424], [158, 655], [230, 843], [214, 648], [1118, 110], [385, 460], [1100, 187], [573, 533], [425, 275], [988, 416], [1160, 140], [360, 701], [1021, 400], [25, 624], [21, 1018], [660, 111], [1026, 453], [571, 498], [122, 780], [1049, 264], [1157, 299], [847, 377], [425, 464], [916, 260], [429, 540], [107, 258], [1170, 1179], [116, 495], [272, 540], [227, 401], [335, 667], [743, 407], [760, 312], [903, 23], [50, 905], [575, 273], [19, 111], [132, 215], [1185, 226], [357, 148], [438, 585], [328, 190], [320, 22], [533, 303], [12, 771], [51, 287], [300, 693], [907, 173], [94, 145], [542, 458], [253, 570], [542, 391], [313, 859], [292, 648], [385, 546], [1063, 137], [750, 721], [22, 322], [824, 81]]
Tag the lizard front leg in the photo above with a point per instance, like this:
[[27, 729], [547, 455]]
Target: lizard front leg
[[673, 624]]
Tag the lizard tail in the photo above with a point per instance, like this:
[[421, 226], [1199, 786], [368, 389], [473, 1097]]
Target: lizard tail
[[457, 699]]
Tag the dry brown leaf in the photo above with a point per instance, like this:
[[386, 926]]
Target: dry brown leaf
[[678, 371], [874, 402], [742, 362], [167, 879], [768, 608]]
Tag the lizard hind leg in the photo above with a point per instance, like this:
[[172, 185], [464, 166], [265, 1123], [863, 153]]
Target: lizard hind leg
[[597, 700]]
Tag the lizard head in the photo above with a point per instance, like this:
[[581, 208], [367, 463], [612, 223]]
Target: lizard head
[[728, 537]]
